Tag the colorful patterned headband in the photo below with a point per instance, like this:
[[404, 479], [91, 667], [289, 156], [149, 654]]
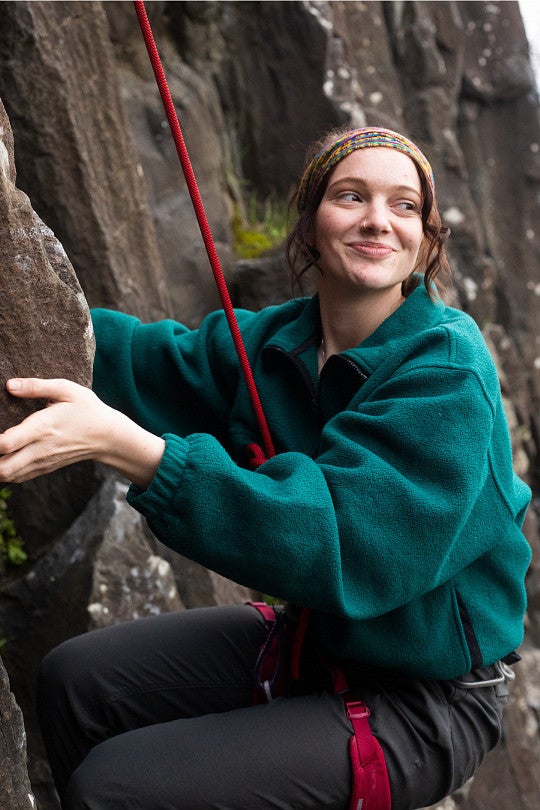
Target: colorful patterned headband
[[364, 138]]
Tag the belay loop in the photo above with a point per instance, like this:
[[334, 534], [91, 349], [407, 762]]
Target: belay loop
[[206, 234]]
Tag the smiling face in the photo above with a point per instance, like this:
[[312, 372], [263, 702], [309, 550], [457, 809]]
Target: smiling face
[[368, 226]]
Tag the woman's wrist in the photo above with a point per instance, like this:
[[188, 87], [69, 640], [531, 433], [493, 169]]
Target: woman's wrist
[[132, 451]]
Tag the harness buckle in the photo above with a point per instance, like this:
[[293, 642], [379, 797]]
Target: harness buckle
[[505, 674], [356, 710]]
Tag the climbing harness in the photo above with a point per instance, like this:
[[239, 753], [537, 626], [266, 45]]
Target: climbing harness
[[279, 661], [370, 788]]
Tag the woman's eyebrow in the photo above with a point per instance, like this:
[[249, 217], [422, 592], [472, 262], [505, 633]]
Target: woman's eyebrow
[[358, 181]]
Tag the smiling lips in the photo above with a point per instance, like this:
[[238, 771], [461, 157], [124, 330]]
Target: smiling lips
[[374, 250]]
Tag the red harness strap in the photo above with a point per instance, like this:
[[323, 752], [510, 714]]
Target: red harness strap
[[370, 786], [270, 673]]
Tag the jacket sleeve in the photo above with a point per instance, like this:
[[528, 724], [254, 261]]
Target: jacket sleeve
[[162, 375], [399, 498]]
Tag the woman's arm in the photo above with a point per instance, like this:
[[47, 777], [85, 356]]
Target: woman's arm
[[163, 376], [75, 426]]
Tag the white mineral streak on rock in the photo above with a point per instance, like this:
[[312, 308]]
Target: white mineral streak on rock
[[321, 11], [471, 288], [4, 158], [453, 216]]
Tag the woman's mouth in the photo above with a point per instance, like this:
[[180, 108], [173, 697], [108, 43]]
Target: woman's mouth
[[373, 249]]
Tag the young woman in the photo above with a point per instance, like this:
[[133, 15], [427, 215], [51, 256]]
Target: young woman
[[389, 521]]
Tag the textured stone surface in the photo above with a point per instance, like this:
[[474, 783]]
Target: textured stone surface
[[45, 327], [190, 287], [129, 580], [199, 587], [15, 790], [74, 154], [104, 569]]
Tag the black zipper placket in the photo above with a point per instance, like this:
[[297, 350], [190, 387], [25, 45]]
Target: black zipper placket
[[355, 367], [314, 391], [301, 367], [336, 358]]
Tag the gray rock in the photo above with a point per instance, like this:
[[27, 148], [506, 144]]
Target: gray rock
[[75, 155], [199, 587], [102, 570], [15, 787], [129, 579], [45, 326]]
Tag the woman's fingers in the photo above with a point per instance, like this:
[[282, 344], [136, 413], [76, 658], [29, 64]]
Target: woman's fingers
[[51, 437], [36, 388], [26, 464], [75, 426], [37, 424], [19, 435]]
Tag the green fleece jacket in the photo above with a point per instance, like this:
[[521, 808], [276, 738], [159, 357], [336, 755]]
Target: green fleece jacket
[[390, 508]]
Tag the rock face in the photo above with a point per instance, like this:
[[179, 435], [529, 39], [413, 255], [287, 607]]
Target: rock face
[[74, 138], [45, 326], [254, 83], [129, 579], [14, 783], [45, 331], [103, 569]]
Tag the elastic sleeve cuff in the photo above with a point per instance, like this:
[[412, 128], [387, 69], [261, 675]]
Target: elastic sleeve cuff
[[165, 482]]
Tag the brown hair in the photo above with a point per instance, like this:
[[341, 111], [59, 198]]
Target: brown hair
[[432, 259]]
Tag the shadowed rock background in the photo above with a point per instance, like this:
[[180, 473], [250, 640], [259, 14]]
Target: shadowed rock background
[[253, 84]]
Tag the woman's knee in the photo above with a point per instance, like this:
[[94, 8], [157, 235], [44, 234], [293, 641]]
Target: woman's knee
[[53, 674], [63, 665], [117, 774], [92, 786]]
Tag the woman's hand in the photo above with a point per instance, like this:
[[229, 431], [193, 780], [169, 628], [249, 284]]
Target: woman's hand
[[75, 426]]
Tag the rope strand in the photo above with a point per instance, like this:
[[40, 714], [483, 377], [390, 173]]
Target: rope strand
[[204, 227]]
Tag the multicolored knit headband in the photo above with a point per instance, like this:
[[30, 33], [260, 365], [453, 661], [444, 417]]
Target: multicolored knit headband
[[364, 138]]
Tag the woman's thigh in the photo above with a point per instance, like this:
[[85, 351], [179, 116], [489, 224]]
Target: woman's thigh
[[290, 753], [144, 672]]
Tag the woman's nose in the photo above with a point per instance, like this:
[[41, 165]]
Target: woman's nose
[[375, 217]]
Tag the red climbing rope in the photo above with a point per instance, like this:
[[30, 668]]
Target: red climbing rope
[[203, 225]]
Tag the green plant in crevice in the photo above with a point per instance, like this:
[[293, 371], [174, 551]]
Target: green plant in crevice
[[266, 227], [11, 545]]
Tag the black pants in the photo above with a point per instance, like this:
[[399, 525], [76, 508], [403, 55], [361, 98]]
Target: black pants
[[157, 714]]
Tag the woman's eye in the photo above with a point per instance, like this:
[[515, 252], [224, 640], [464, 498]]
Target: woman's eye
[[407, 205], [350, 196]]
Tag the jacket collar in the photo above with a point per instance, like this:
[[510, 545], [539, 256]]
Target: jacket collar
[[301, 336], [418, 313], [344, 374]]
